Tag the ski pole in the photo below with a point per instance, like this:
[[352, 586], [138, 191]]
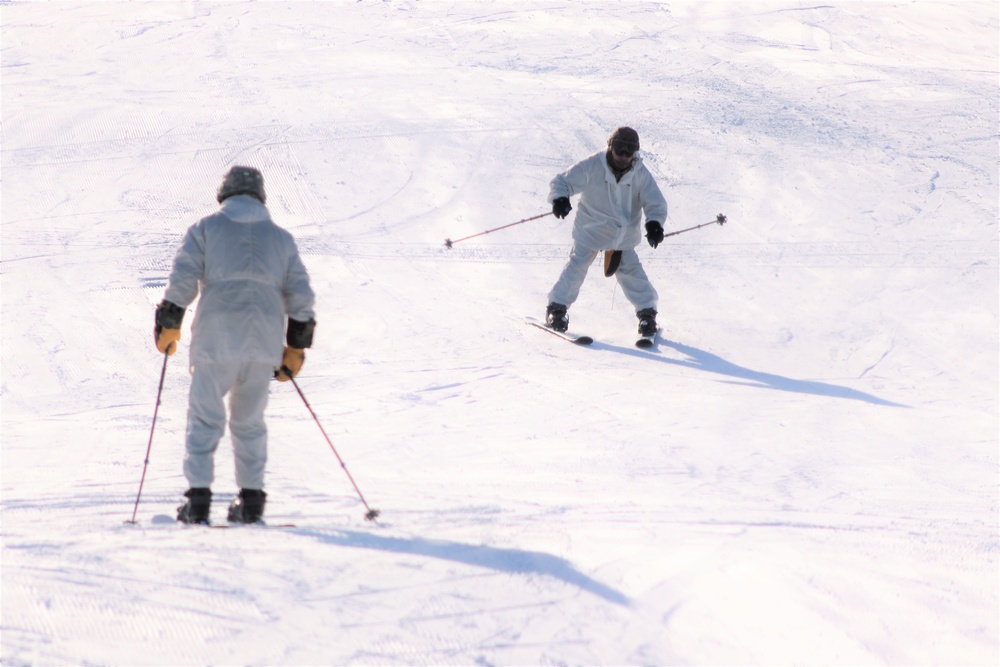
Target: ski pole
[[149, 446], [719, 219], [371, 514], [448, 242]]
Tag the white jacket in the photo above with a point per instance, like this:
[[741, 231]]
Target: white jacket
[[250, 277], [609, 213]]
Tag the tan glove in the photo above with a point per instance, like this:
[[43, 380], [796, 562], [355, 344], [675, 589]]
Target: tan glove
[[167, 326], [292, 360], [166, 340]]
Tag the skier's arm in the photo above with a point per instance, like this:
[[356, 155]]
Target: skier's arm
[[297, 292], [182, 289], [299, 300], [570, 182], [654, 204], [188, 268]]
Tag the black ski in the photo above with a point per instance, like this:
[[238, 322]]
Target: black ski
[[646, 342], [258, 524], [167, 519], [570, 337]]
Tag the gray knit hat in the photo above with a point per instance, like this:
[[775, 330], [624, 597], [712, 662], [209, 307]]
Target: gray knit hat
[[242, 181]]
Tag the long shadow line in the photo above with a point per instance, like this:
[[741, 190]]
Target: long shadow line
[[503, 560], [706, 361]]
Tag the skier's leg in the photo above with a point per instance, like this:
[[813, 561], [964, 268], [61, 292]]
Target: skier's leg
[[247, 402], [567, 288], [635, 283], [206, 420]]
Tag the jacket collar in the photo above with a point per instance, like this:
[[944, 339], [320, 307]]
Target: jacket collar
[[244, 208], [609, 174]]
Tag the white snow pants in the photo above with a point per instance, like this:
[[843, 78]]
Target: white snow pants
[[631, 276], [247, 386]]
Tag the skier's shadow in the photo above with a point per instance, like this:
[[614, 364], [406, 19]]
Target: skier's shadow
[[504, 560], [706, 361]]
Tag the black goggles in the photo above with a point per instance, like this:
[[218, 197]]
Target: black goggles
[[625, 148]]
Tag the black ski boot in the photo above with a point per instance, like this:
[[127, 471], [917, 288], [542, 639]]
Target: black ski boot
[[647, 322], [248, 507], [198, 506], [556, 317]]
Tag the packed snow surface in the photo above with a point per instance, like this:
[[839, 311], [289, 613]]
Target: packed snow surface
[[804, 470]]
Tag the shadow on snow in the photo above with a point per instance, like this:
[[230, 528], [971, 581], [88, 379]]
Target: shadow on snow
[[514, 561], [706, 361]]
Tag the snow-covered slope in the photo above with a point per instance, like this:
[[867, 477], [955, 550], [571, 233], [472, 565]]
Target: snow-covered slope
[[803, 472]]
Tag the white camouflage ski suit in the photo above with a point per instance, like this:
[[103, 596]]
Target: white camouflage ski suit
[[250, 277], [608, 217]]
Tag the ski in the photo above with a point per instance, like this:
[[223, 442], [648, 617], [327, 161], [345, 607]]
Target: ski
[[646, 342], [165, 519], [570, 337], [259, 524]]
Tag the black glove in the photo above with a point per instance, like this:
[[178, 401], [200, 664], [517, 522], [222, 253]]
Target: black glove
[[168, 316], [300, 334], [561, 207], [298, 337], [654, 233]]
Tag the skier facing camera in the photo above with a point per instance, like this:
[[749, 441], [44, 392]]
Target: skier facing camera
[[250, 277], [616, 191]]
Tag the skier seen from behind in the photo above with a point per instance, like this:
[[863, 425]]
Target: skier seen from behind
[[615, 190], [250, 277]]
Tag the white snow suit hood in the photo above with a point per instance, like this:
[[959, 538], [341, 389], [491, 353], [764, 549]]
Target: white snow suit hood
[[609, 213], [249, 275]]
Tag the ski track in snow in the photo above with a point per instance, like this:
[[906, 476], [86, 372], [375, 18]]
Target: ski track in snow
[[802, 470]]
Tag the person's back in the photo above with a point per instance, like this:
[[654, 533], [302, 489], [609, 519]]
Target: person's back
[[249, 274]]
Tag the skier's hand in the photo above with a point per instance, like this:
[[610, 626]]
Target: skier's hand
[[561, 207], [166, 339], [292, 360], [167, 326], [654, 233]]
